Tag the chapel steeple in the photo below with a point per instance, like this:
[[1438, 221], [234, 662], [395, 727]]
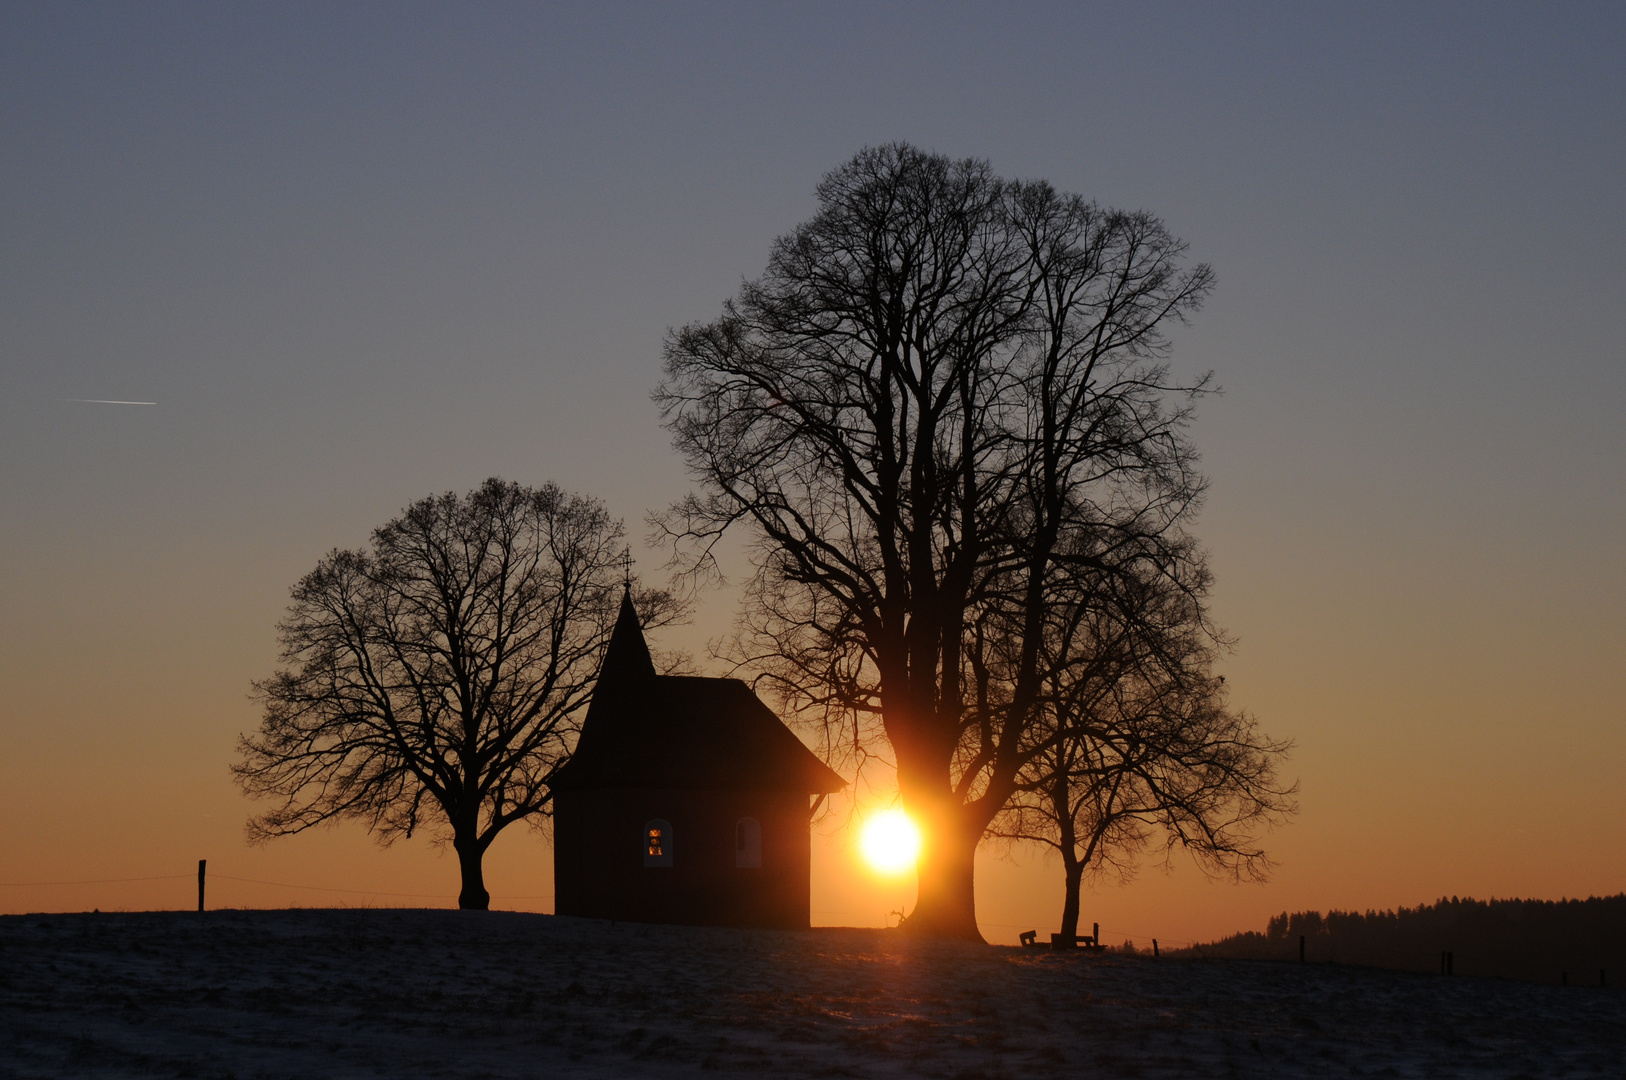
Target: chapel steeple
[[627, 658]]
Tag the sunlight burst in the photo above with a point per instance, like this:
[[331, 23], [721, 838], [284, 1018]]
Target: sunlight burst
[[890, 842]]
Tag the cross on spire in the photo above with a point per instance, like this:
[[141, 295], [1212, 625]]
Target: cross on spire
[[626, 567]]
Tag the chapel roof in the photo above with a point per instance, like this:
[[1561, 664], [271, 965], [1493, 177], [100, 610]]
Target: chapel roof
[[645, 730]]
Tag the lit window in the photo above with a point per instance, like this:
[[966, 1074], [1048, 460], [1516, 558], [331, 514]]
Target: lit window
[[658, 843], [748, 843]]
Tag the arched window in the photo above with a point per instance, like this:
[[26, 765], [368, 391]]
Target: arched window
[[748, 843], [658, 843]]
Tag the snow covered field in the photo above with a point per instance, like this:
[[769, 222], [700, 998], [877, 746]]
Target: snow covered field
[[370, 993]]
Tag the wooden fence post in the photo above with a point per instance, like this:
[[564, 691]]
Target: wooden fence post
[[201, 864]]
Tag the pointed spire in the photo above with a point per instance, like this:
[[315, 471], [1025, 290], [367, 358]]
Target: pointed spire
[[627, 657]]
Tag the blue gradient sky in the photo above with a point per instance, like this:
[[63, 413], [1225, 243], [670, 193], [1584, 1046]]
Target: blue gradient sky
[[360, 253]]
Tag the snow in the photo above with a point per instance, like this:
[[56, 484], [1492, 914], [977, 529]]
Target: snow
[[407, 993]]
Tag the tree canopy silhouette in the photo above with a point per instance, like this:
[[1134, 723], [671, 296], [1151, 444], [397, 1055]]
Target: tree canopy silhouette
[[437, 676], [945, 395]]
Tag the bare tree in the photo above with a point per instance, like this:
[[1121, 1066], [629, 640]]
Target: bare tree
[[945, 390], [1136, 741], [438, 676]]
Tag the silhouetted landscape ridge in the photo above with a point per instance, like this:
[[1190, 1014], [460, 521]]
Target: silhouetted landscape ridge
[[1582, 942]]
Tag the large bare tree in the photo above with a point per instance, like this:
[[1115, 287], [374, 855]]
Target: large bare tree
[[437, 676], [945, 390]]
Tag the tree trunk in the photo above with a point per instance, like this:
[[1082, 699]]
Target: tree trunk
[[470, 852], [1073, 871], [1072, 866], [946, 902]]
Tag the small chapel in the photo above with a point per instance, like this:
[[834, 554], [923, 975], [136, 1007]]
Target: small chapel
[[687, 800]]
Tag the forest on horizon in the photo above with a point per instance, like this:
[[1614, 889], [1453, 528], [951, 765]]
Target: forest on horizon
[[1574, 942]]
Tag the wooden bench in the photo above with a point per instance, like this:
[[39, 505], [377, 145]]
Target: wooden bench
[[1073, 941], [1030, 939]]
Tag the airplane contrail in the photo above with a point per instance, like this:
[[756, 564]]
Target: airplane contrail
[[99, 401]]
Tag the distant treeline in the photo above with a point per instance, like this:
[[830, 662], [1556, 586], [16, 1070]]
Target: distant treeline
[[1581, 942]]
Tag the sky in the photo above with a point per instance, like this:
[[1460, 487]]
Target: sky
[[358, 254]]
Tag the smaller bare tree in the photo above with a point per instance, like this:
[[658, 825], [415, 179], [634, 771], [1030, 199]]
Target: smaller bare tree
[[1139, 744], [438, 676]]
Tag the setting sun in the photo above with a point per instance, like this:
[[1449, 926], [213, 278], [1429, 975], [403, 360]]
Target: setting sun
[[890, 842]]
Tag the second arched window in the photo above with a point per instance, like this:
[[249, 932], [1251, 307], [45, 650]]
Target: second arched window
[[747, 843]]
